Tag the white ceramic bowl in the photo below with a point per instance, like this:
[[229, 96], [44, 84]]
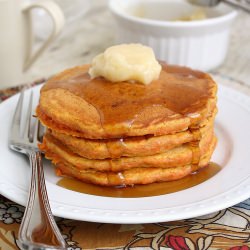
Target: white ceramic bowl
[[200, 44]]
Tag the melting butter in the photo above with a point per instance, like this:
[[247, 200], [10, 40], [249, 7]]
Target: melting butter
[[126, 62]]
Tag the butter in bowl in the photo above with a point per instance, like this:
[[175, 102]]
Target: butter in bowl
[[179, 32]]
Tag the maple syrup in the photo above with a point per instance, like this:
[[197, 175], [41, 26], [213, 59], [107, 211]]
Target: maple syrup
[[142, 190]]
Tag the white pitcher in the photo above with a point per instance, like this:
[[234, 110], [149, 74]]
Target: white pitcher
[[16, 40]]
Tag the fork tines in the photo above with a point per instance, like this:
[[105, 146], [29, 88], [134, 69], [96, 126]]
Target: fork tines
[[31, 131]]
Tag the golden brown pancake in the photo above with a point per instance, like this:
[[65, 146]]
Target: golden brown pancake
[[130, 146], [131, 176], [74, 104], [178, 156]]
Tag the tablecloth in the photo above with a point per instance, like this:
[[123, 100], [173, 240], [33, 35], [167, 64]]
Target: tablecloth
[[225, 229]]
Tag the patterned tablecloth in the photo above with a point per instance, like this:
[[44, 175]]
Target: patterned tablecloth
[[226, 229]]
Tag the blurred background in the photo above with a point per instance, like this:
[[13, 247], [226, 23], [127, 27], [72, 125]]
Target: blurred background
[[87, 31], [90, 28]]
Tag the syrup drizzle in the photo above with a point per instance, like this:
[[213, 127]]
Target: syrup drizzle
[[195, 147]]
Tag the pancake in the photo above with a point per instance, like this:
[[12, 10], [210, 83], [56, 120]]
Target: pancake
[[130, 146], [132, 176], [124, 133], [97, 109], [185, 154]]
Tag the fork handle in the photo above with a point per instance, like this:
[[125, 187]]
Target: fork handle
[[38, 229]]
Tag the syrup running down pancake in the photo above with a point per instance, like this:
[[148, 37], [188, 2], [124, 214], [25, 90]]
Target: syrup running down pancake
[[118, 133]]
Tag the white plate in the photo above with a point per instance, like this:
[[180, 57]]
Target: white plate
[[228, 187]]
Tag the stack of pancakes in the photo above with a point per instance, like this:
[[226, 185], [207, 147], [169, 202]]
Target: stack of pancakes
[[125, 133]]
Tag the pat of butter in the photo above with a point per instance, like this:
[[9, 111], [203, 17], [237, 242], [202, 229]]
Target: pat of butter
[[126, 62]]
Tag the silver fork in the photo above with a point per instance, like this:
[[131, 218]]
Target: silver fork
[[38, 230]]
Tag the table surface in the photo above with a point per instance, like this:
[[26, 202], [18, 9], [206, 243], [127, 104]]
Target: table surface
[[226, 229]]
